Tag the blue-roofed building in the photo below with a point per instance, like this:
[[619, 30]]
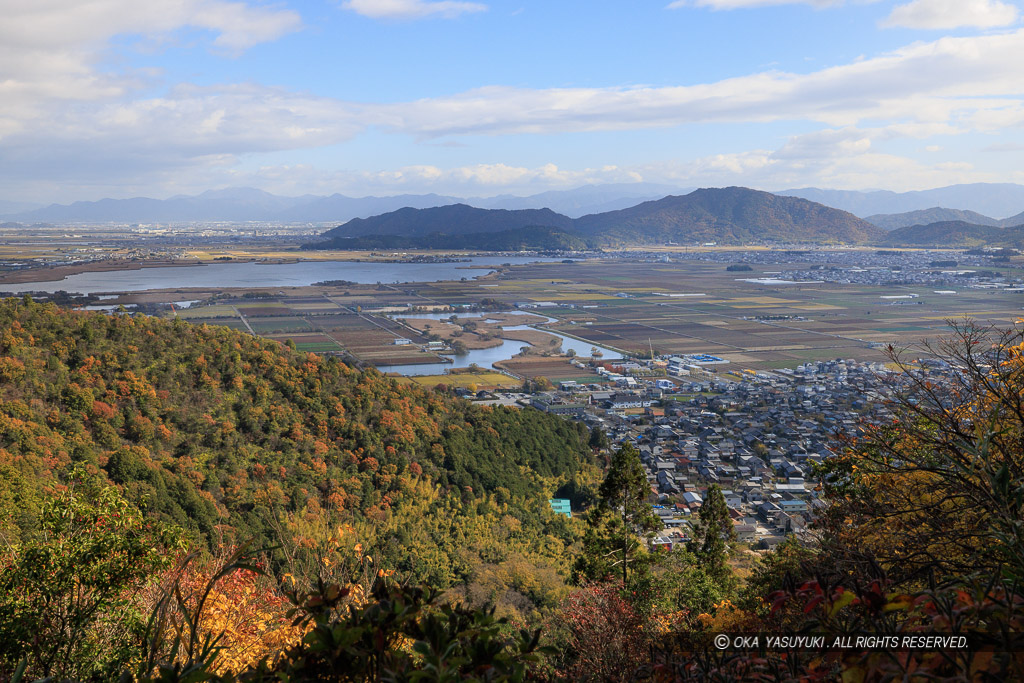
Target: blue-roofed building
[[561, 506]]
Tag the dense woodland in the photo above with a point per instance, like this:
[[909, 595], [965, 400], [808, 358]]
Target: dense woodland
[[232, 437], [189, 503]]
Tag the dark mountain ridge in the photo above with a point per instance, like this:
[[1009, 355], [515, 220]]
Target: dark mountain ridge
[[937, 214], [956, 234], [729, 215], [456, 219]]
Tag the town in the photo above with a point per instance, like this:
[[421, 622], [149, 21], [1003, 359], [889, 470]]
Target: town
[[758, 436]]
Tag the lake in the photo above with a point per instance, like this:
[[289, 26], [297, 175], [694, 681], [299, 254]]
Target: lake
[[269, 275]]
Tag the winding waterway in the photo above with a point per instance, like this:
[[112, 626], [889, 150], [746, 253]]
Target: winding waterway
[[305, 273], [486, 358]]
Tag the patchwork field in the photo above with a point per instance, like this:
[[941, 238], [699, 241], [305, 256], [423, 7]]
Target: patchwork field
[[480, 380], [682, 307], [555, 368]]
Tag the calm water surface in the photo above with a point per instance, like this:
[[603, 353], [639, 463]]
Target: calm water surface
[[304, 273]]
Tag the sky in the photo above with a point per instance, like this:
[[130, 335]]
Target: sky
[[121, 98]]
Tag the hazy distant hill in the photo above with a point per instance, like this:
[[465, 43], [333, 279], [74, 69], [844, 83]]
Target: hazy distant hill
[[8, 208], [1013, 220], [989, 199], [236, 204], [729, 215], [945, 234], [891, 221], [247, 204], [957, 234]]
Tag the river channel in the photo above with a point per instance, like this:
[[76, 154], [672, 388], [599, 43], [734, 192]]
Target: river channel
[[486, 358]]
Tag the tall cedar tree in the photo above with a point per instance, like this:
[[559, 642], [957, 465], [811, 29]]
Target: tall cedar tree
[[713, 533], [621, 521]]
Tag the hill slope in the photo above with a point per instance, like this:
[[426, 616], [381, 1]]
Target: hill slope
[[957, 234], [221, 432], [891, 221], [731, 215], [456, 219]]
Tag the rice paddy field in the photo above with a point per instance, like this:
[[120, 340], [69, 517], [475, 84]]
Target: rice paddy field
[[682, 307], [481, 380], [555, 368]]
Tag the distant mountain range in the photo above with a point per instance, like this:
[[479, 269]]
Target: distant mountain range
[[731, 215], [248, 204], [989, 199], [11, 207], [891, 221], [956, 234], [974, 204]]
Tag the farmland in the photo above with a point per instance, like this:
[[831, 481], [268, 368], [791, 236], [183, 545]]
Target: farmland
[[629, 304], [662, 301]]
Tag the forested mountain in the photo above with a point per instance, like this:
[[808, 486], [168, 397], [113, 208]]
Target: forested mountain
[[129, 445], [956, 234], [732, 215], [457, 219], [891, 221], [232, 436]]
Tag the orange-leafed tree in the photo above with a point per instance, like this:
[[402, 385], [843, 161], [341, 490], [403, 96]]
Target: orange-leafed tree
[[938, 491]]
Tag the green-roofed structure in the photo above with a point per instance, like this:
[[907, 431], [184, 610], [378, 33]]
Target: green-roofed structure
[[562, 506]]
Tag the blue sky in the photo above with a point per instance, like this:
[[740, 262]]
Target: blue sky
[[117, 98]]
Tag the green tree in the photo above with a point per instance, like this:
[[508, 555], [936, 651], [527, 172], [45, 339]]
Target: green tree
[[712, 535], [598, 439], [66, 597], [620, 523]]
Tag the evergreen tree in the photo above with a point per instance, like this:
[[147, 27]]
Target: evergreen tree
[[621, 521], [598, 439], [712, 535]]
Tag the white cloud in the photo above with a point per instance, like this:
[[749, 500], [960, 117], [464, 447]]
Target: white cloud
[[412, 9], [828, 158], [190, 131], [840, 158], [52, 24], [950, 14], [64, 121], [49, 49], [952, 82]]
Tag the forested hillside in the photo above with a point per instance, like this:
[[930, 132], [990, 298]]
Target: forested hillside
[[138, 456], [231, 437], [731, 215]]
